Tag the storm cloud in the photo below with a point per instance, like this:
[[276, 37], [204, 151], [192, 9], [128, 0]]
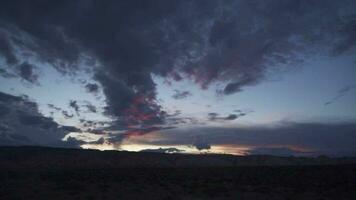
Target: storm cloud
[[92, 88], [26, 71], [125, 43], [22, 124]]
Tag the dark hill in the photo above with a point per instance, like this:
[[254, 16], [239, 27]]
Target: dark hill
[[32, 156]]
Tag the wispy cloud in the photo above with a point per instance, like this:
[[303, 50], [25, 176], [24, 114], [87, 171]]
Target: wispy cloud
[[178, 94], [342, 92]]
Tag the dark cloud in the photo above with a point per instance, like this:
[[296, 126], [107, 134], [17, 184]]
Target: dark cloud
[[135, 131], [175, 119], [94, 125], [237, 85], [99, 141], [246, 111], [181, 94], [144, 130], [342, 92], [4, 73], [79, 107], [333, 139], [66, 114], [163, 150], [231, 117], [175, 114], [131, 106], [92, 88], [182, 120], [70, 129], [87, 123], [230, 42], [201, 144], [39, 121], [240, 113], [88, 107], [23, 124], [6, 50], [91, 108], [348, 30], [26, 71], [71, 141], [215, 117], [51, 106], [277, 151], [4, 110], [74, 104], [7, 98]]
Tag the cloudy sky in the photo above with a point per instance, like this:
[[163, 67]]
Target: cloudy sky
[[240, 77]]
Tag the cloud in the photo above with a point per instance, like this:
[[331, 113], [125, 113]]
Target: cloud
[[201, 144], [66, 114], [92, 88], [91, 108], [73, 104], [277, 151], [4, 73], [213, 115], [230, 117], [6, 50], [70, 129], [23, 124], [26, 71], [72, 141], [128, 106], [4, 110], [175, 114], [142, 131], [51, 106], [181, 94], [92, 126], [7, 98], [182, 120], [342, 92], [163, 150], [39, 121], [233, 43], [79, 107], [237, 85], [333, 139]]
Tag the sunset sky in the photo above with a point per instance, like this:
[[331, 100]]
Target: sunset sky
[[239, 77]]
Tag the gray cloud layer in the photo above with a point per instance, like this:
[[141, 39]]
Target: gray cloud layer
[[236, 42], [22, 124], [315, 138]]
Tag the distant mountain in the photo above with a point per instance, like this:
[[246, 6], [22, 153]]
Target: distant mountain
[[61, 157]]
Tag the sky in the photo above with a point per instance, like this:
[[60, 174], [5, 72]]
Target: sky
[[215, 76]]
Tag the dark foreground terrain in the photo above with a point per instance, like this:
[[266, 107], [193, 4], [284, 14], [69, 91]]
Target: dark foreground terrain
[[49, 173]]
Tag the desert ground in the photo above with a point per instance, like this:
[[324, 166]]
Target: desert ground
[[51, 173]]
